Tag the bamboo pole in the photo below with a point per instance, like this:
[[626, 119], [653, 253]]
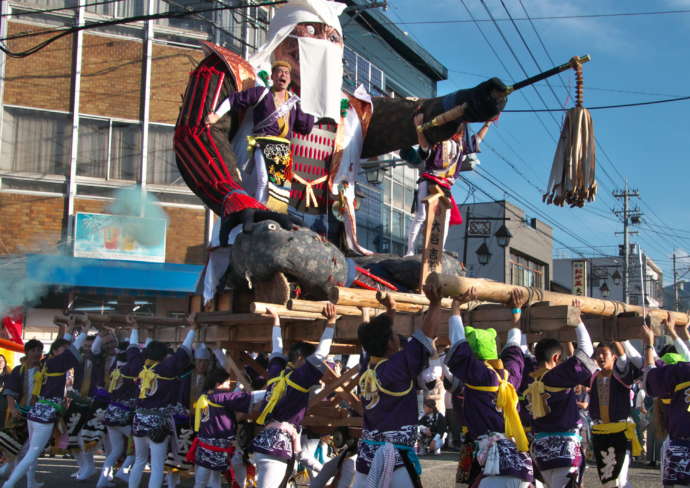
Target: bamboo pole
[[317, 307], [261, 308], [492, 291], [411, 302]]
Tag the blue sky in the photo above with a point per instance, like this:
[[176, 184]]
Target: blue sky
[[634, 59]]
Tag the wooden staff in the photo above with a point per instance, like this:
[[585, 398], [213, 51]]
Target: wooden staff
[[492, 291]]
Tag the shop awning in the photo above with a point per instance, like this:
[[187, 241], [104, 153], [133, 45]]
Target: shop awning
[[113, 277]]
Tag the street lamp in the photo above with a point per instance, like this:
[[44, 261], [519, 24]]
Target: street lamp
[[483, 254], [616, 276], [374, 175], [604, 289], [503, 236]]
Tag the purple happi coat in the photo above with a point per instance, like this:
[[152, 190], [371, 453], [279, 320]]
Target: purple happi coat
[[556, 439], [120, 411], [291, 408], [153, 415], [219, 426], [394, 418], [482, 416], [673, 381], [264, 107], [52, 397]]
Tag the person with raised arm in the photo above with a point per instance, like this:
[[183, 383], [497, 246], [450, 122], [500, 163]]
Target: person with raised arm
[[216, 426], [491, 401], [18, 388], [123, 391], [442, 163], [278, 446], [671, 381], [614, 436], [151, 424], [49, 393], [552, 400], [386, 450]]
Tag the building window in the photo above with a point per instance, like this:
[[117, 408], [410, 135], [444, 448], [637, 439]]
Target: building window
[[359, 71], [526, 272], [130, 8], [109, 149], [35, 141], [161, 163]]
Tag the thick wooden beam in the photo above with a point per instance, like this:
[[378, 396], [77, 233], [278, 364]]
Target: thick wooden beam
[[357, 297], [492, 291]]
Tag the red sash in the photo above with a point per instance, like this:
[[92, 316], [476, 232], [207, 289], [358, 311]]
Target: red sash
[[455, 217], [230, 474]]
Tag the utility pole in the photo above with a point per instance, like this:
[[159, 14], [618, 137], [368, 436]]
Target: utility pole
[[628, 217], [675, 283]]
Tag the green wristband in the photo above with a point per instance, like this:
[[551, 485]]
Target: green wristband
[[517, 310]]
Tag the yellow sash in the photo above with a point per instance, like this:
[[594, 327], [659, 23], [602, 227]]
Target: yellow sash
[[40, 377], [147, 376], [535, 394], [202, 403], [617, 427], [682, 386], [115, 378], [507, 401], [281, 383], [369, 382]]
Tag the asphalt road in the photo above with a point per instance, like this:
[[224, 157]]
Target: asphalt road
[[438, 472]]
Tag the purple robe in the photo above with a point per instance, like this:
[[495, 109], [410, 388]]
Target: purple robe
[[394, 418], [291, 408], [437, 165], [53, 388], [556, 442], [299, 121], [661, 383], [619, 404], [218, 427], [481, 414], [482, 417], [530, 367], [123, 398], [164, 392], [16, 385], [563, 413]]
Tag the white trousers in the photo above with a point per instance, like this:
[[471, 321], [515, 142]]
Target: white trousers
[[270, 470], [556, 478], [261, 191], [118, 437], [503, 482], [400, 479], [420, 217], [39, 436], [158, 450], [204, 477]]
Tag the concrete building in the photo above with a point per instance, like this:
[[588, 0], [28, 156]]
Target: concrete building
[[526, 260], [94, 112], [604, 277]]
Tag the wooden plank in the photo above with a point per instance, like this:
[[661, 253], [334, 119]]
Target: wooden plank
[[330, 379], [437, 207], [238, 372]]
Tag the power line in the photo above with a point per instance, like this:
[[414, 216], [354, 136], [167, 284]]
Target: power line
[[603, 107], [58, 9], [550, 17], [493, 50], [95, 25]]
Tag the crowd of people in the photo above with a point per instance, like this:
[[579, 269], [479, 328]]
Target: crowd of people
[[524, 416]]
